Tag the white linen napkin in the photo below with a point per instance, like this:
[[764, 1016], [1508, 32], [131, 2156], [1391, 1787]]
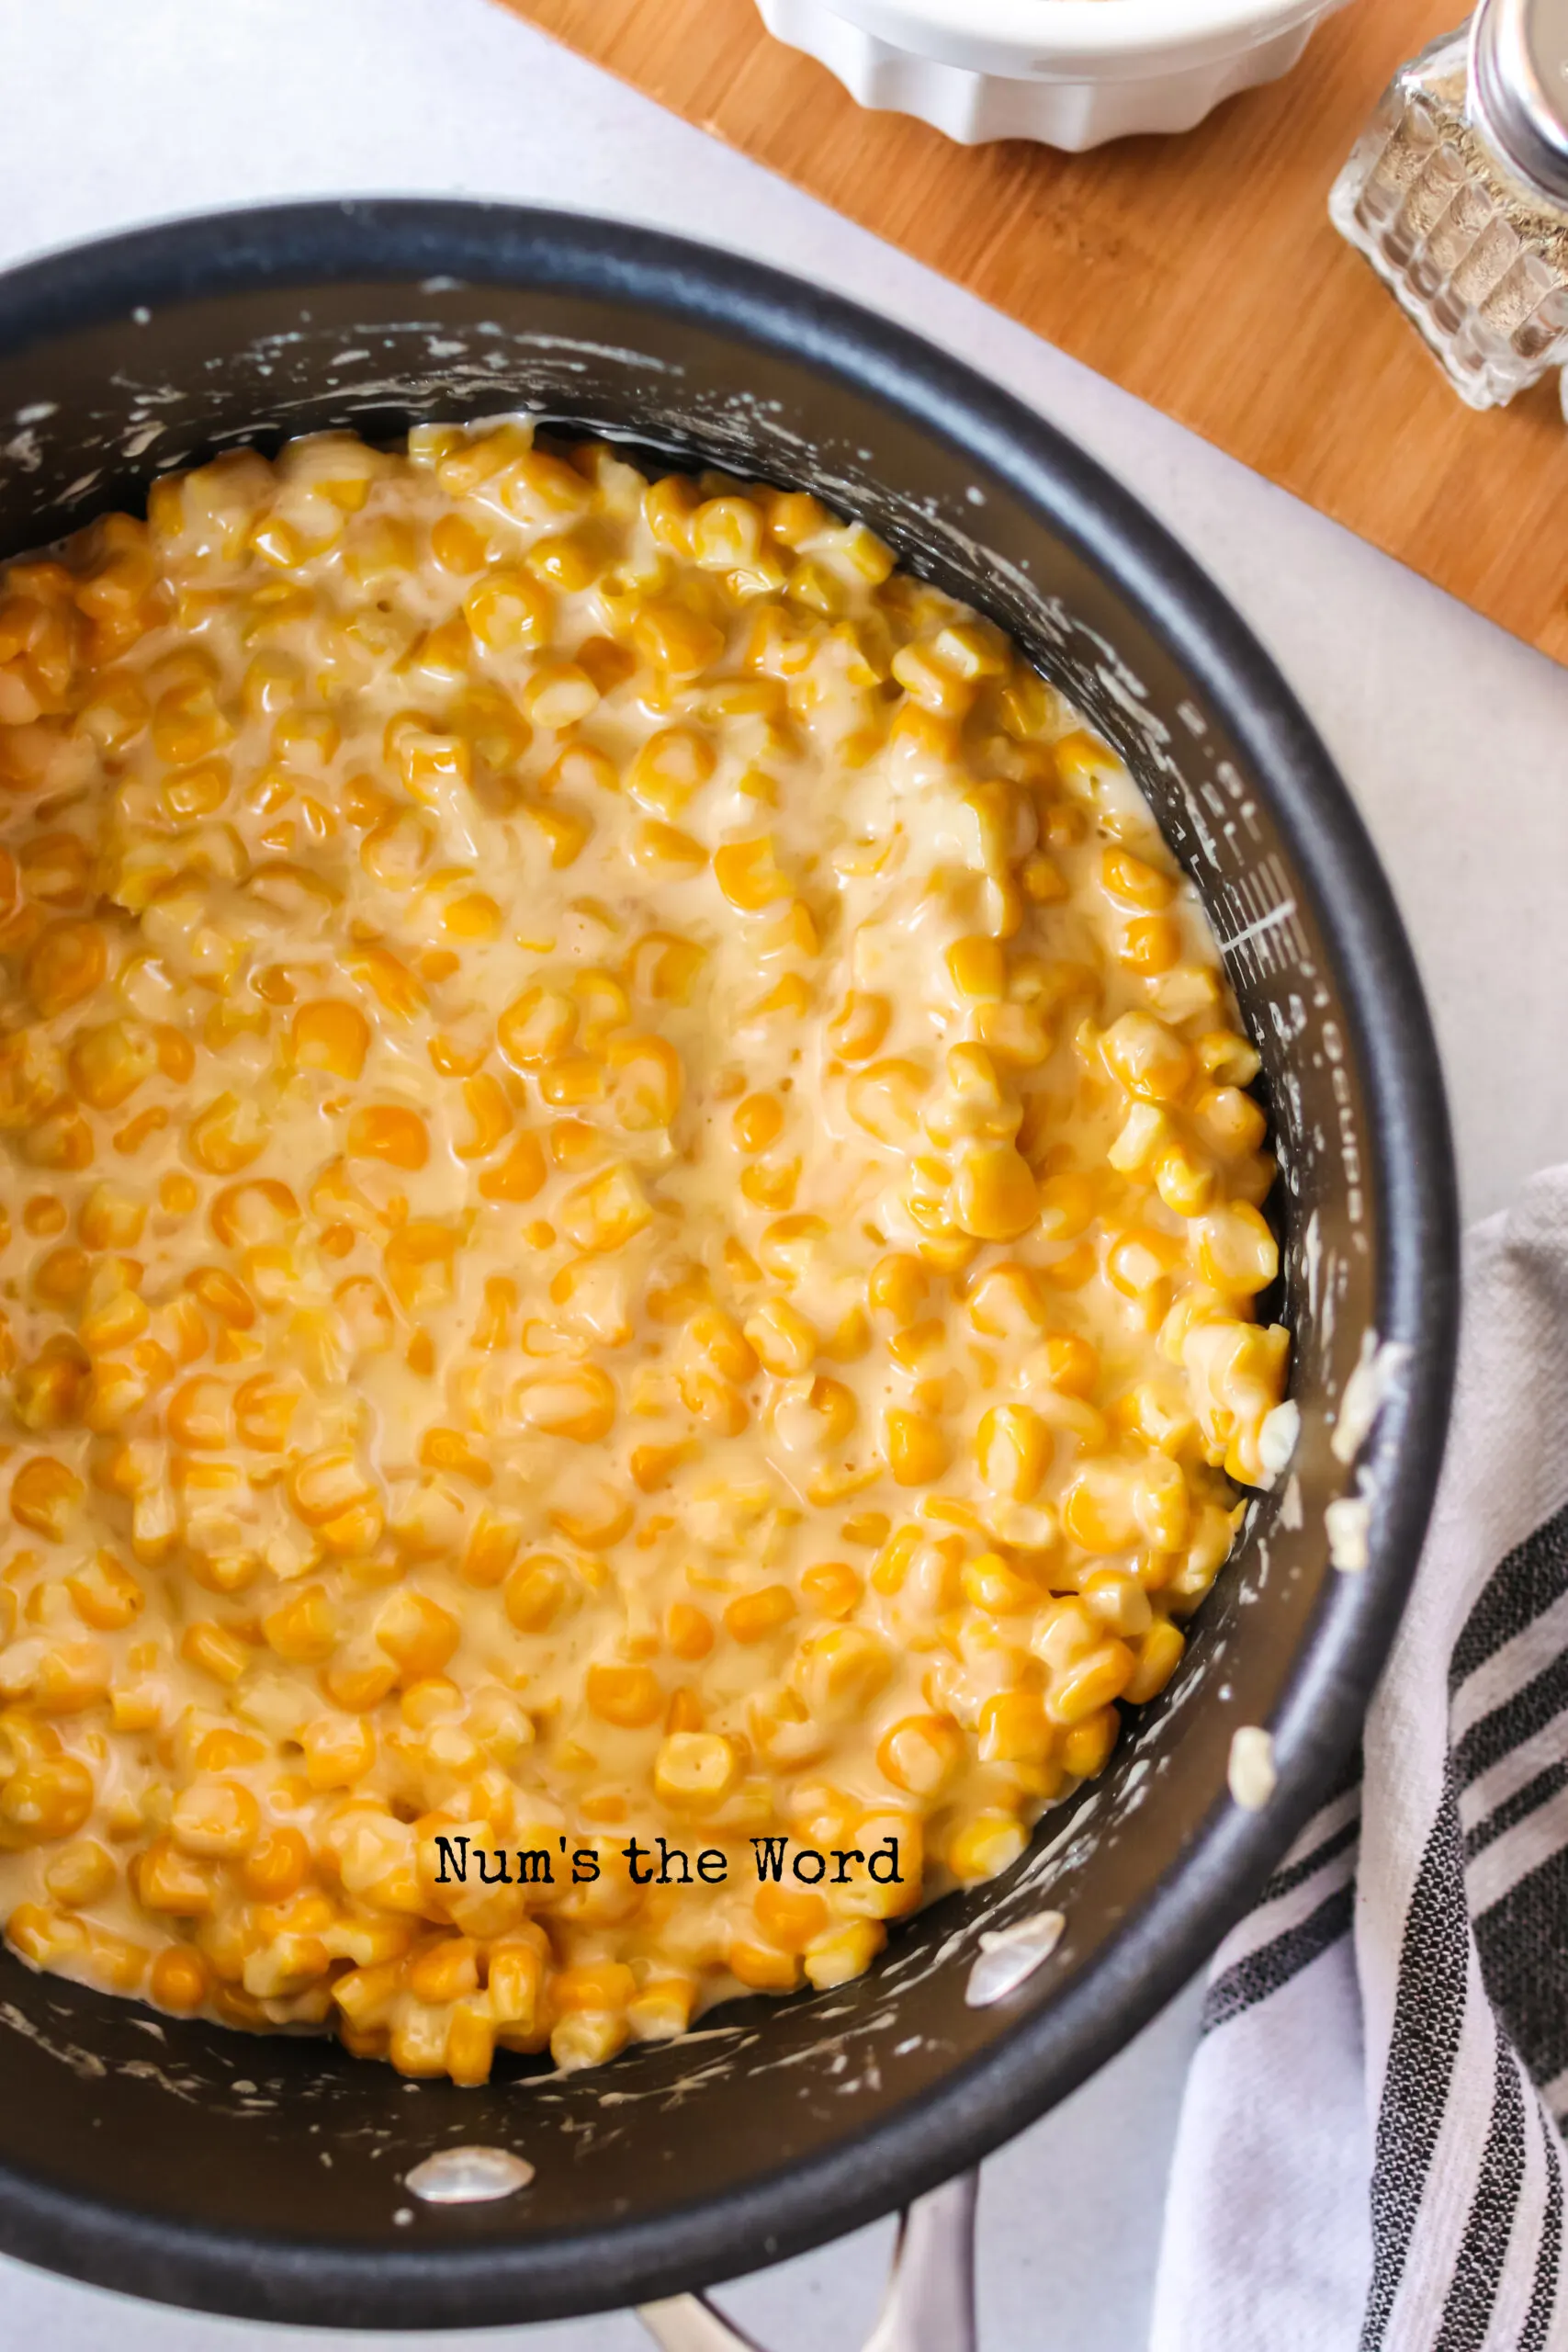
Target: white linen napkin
[[1369, 2157]]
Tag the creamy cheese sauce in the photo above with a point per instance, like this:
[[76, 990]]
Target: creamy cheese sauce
[[633, 1215]]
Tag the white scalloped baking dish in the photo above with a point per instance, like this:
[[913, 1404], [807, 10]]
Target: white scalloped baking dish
[[1069, 72]]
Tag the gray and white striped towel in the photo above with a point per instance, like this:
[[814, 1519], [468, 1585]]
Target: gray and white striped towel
[[1369, 2157]]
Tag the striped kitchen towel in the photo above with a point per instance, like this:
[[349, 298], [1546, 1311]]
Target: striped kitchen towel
[[1369, 2157]]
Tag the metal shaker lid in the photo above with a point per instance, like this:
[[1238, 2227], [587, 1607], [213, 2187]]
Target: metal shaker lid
[[1519, 86]]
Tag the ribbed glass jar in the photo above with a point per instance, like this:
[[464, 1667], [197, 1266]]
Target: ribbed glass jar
[[1474, 252]]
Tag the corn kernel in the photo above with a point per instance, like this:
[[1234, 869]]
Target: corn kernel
[[985, 1846]]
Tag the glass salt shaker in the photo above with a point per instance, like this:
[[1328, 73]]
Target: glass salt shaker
[[1458, 194]]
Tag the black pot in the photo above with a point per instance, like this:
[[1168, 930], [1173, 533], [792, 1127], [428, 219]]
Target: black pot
[[263, 2178]]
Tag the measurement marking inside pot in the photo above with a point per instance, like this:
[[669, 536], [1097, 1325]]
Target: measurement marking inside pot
[[1270, 921]]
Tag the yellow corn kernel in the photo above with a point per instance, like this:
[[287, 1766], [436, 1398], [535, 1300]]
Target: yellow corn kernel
[[45, 1496], [179, 1982], [1015, 1729], [725, 533], [672, 638], [645, 1082], [1119, 1601], [444, 1971], [841, 1670], [792, 1918], [536, 1592], [216, 1651], [1013, 1451], [587, 2038], [694, 1771], [516, 1982], [916, 1450], [1146, 1057], [920, 1754], [844, 1953], [109, 1060], [629, 1696], [216, 1818], [994, 1194], [558, 694], [785, 1343], [519, 1175], [48, 1798], [1237, 1252], [1085, 1748], [48, 1394], [999, 1590], [417, 1633], [930, 683], [1139, 1262], [721, 1340], [419, 1263], [835, 1408], [105, 1594], [507, 610], [1161, 1502], [668, 506], [47, 1938], [762, 1970], [227, 1134], [657, 847], [758, 1122], [390, 978], [66, 962], [755, 1616], [485, 1099], [459, 545], [689, 1631], [70, 1677], [748, 875], [985, 1846], [578, 1402], [339, 1751], [1231, 1121], [1097, 1509], [669, 769], [537, 1027], [1150, 945], [303, 1629], [1090, 1683], [80, 1874], [331, 1035], [977, 969], [111, 1218], [389, 1132], [857, 1029], [470, 2045], [1228, 1059], [1185, 1184], [1159, 1654], [1135, 882], [885, 1098]]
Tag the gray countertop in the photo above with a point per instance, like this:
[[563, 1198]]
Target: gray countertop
[[1451, 735]]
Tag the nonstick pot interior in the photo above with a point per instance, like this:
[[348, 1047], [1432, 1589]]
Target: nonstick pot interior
[[264, 2177]]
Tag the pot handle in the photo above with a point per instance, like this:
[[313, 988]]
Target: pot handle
[[930, 2302]]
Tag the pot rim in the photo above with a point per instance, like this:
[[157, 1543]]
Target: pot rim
[[925, 2141]]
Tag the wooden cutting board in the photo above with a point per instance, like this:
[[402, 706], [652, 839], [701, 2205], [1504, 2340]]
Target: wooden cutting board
[[1199, 272]]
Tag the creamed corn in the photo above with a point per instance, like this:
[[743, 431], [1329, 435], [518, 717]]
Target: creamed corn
[[633, 1212]]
